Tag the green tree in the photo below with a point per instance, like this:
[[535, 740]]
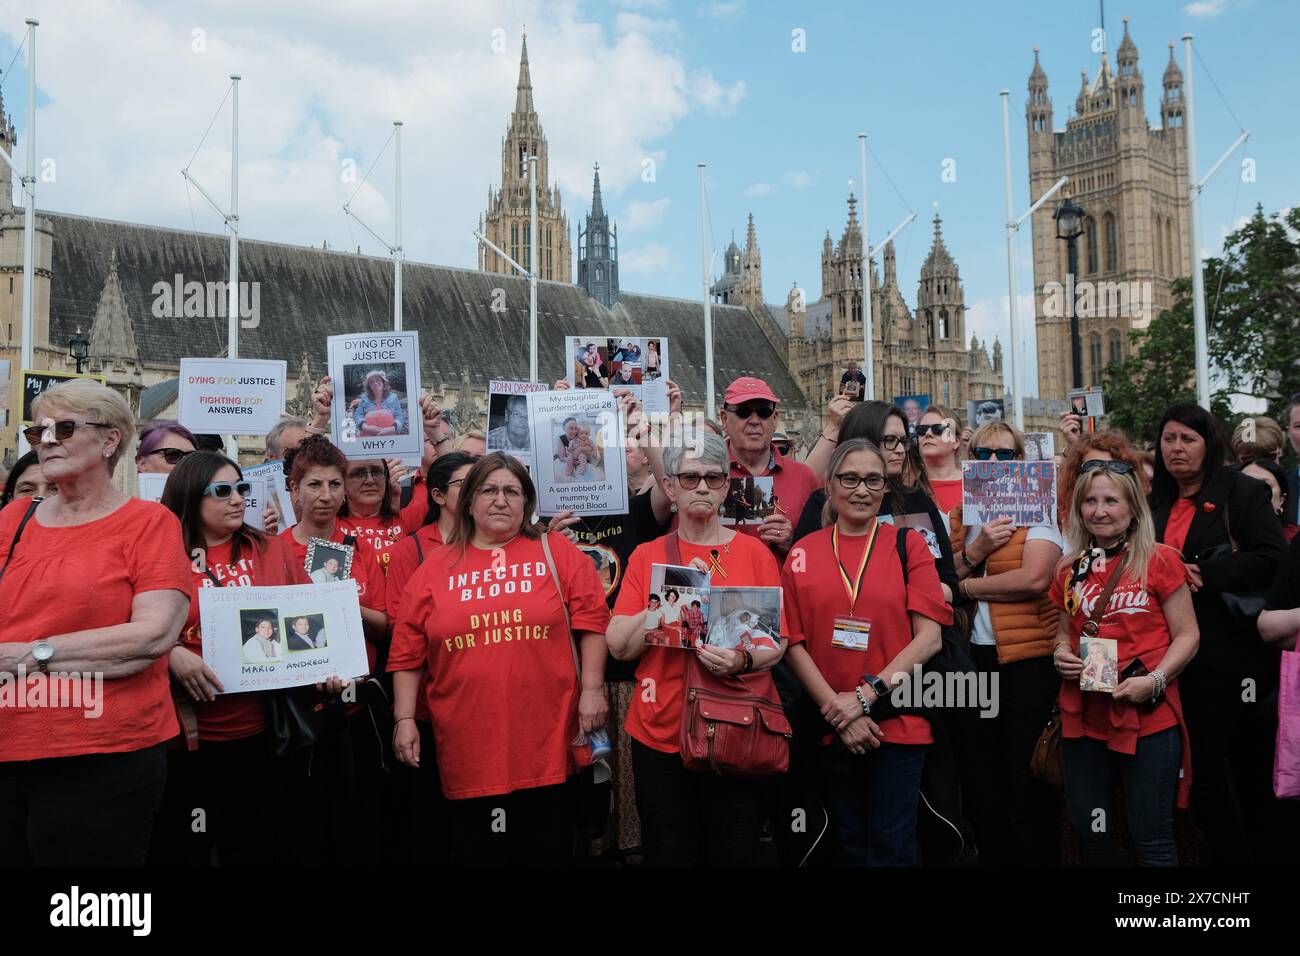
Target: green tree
[[1252, 302]]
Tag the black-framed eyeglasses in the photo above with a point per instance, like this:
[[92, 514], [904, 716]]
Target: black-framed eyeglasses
[[690, 480], [221, 489], [1001, 454], [172, 456], [892, 442], [764, 410], [936, 429], [454, 481], [374, 473], [849, 481], [63, 430], [1114, 467]]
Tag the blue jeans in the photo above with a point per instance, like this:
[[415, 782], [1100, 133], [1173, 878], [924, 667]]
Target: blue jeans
[[872, 802], [1150, 778]]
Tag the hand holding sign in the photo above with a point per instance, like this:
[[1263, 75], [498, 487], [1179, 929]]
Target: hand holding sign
[[992, 536]]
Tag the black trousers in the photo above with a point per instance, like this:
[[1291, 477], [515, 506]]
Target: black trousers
[[88, 810], [690, 818], [1016, 817], [1214, 711], [223, 796], [532, 827], [420, 835]]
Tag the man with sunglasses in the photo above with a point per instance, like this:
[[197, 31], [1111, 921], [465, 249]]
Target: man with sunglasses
[[750, 419]]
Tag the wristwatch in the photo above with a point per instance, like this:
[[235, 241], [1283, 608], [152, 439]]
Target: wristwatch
[[42, 651], [877, 685]]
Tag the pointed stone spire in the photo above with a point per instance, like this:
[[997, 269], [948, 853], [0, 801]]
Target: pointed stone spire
[[1127, 48], [939, 261], [1173, 74], [112, 336], [891, 274], [1037, 72], [750, 242], [597, 207], [524, 91]]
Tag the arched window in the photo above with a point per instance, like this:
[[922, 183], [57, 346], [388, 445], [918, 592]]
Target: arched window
[[1112, 243], [514, 241], [549, 271], [1094, 358], [943, 323], [600, 273], [1160, 245], [857, 309], [1169, 248], [1116, 345], [1090, 236]]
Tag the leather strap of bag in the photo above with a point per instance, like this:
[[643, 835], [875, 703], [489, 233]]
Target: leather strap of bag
[[568, 625], [13, 545], [1099, 609]]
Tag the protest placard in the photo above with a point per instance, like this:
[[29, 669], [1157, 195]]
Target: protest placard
[[508, 429], [151, 485], [1025, 491], [230, 396], [983, 411], [268, 638], [579, 446], [1088, 405], [637, 364], [1039, 446], [36, 381], [277, 489], [913, 407], [376, 411]]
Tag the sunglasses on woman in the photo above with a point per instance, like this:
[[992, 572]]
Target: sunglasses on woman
[[172, 456], [1001, 454], [221, 489], [62, 430], [690, 480], [936, 429], [1114, 467]]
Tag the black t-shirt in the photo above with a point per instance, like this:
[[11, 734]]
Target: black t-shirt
[[1285, 593], [609, 541]]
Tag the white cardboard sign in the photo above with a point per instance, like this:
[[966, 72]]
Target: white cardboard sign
[[376, 410], [230, 396]]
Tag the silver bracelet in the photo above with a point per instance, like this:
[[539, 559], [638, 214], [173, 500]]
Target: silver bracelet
[[866, 708], [1158, 678]]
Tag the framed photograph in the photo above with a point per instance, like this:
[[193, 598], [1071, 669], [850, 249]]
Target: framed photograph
[[1100, 657], [259, 636], [578, 439], [749, 500], [305, 632], [637, 364], [508, 429], [677, 607], [328, 561], [745, 617], [984, 411], [1088, 405]]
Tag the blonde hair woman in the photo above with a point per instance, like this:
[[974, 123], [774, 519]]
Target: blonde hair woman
[[1137, 728]]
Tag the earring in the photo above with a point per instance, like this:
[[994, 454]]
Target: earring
[[673, 507]]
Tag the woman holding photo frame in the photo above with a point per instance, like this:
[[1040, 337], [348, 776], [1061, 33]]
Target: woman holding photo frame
[[225, 765], [1119, 584], [859, 623], [688, 817]]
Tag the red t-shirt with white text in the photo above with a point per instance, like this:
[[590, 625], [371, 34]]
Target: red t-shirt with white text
[[406, 558], [375, 535], [235, 716], [503, 691]]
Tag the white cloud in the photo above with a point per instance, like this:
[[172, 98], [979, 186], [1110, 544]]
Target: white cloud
[[637, 23], [1207, 8], [645, 215], [646, 260], [991, 319], [127, 99], [758, 189], [797, 179]]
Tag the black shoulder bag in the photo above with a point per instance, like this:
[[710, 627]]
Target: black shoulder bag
[[13, 545]]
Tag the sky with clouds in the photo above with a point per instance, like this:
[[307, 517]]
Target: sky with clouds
[[770, 95]]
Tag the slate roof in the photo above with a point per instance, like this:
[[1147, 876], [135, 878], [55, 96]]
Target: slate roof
[[307, 294]]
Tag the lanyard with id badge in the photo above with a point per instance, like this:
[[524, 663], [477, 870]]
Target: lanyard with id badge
[[852, 633]]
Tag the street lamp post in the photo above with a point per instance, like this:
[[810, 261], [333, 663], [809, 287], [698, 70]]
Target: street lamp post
[[79, 349], [1069, 227]]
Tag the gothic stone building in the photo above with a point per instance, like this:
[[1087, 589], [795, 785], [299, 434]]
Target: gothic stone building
[[1131, 181], [508, 222], [915, 352]]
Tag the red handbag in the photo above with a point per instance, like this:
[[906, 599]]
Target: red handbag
[[731, 726]]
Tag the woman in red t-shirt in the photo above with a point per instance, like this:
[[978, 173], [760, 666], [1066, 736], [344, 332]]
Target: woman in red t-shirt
[[1136, 728], [92, 597], [858, 627], [227, 765], [370, 514], [509, 691], [938, 434], [688, 817], [341, 784]]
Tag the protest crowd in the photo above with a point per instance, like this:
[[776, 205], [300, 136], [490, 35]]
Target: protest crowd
[[934, 690]]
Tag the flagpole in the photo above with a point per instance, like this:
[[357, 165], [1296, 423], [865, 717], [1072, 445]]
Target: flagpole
[[232, 289], [710, 401]]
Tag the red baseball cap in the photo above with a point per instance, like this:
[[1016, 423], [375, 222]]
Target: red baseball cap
[[747, 390]]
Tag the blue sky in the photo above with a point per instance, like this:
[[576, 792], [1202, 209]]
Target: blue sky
[[126, 97]]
